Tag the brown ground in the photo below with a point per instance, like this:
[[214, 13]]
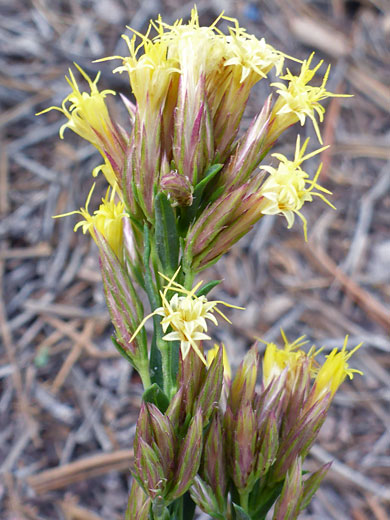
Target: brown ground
[[68, 403]]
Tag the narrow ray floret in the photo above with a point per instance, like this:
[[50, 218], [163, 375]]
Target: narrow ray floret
[[186, 314], [288, 187]]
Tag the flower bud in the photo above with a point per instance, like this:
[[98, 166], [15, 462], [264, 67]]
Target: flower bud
[[203, 496], [214, 462], [210, 393], [154, 450], [178, 188], [188, 458], [139, 503], [249, 151], [287, 505], [243, 458], [243, 386]]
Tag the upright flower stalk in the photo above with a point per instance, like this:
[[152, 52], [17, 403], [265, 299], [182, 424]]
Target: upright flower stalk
[[184, 185]]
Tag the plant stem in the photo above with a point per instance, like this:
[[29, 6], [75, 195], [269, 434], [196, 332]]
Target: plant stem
[[144, 373], [166, 359], [244, 500], [189, 279]]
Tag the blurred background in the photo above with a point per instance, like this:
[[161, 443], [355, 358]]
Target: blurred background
[[68, 403]]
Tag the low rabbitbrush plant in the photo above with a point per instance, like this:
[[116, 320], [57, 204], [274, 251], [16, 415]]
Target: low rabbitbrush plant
[[183, 187]]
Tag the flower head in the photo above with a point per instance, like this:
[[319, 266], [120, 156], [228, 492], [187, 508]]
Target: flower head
[[107, 220], [288, 187], [87, 113], [252, 57], [186, 314], [327, 378], [334, 371], [290, 358], [298, 100], [88, 116], [150, 73], [198, 50]]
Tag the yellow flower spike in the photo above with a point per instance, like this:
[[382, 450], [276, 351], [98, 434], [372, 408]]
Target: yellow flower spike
[[288, 187], [87, 113], [211, 355], [298, 100], [186, 315], [334, 371], [107, 220]]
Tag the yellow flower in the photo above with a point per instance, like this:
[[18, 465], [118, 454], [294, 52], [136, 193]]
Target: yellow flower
[[197, 50], [186, 314], [152, 74], [276, 360], [107, 220], [193, 51], [299, 100], [87, 114], [288, 187], [211, 355], [334, 371], [291, 360], [253, 58]]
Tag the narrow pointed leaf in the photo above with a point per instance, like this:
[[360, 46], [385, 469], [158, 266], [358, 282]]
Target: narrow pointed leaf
[[166, 236], [241, 514], [207, 287], [156, 396]]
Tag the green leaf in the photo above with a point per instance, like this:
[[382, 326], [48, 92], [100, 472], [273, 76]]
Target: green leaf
[[156, 396], [261, 502], [188, 506], [175, 356], [166, 235], [211, 172], [203, 291], [240, 513], [189, 213], [155, 361], [216, 194]]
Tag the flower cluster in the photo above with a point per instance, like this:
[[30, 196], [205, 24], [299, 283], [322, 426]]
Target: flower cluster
[[255, 444], [191, 85]]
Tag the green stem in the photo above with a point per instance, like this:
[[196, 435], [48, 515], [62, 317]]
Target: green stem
[[144, 373], [244, 500], [166, 358], [189, 279]]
